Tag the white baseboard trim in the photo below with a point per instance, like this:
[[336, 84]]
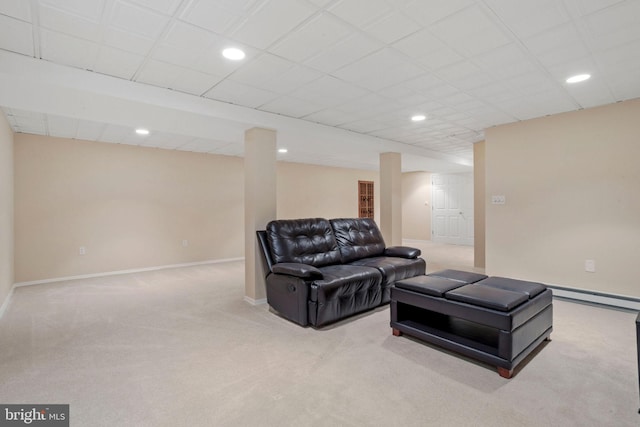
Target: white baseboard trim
[[255, 301], [611, 300], [5, 304], [133, 270]]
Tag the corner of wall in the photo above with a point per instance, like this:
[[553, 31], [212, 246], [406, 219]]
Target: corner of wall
[[6, 212]]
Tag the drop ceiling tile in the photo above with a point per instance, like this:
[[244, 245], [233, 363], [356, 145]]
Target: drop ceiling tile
[[271, 21], [218, 16], [16, 36], [292, 79], [89, 130], [321, 3], [344, 52], [614, 26], [561, 72], [364, 126], [591, 95], [441, 92], [428, 49], [127, 41], [625, 88], [69, 23], [212, 62], [457, 71], [240, 94], [195, 82], [167, 7], [470, 40], [19, 9], [291, 107], [331, 117], [379, 70], [618, 61], [62, 127], [118, 63], [312, 38], [261, 69], [391, 27], [506, 61], [67, 50], [539, 104], [89, 9], [328, 91], [494, 93], [186, 36], [358, 12], [587, 7], [113, 133], [531, 83], [370, 104], [526, 18], [29, 122], [158, 73], [137, 20], [428, 12]]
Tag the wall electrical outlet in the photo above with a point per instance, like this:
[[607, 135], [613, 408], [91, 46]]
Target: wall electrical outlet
[[589, 266], [82, 250], [185, 243], [498, 200]]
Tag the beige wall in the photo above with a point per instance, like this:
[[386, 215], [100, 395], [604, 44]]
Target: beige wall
[[479, 205], [6, 209], [571, 183], [131, 207], [309, 191], [416, 205]]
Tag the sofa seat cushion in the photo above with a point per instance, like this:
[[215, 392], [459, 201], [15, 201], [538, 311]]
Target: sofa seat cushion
[[344, 280], [487, 296], [429, 285], [345, 290], [460, 276], [531, 289], [393, 268]]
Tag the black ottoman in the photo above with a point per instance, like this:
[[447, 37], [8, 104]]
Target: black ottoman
[[495, 320]]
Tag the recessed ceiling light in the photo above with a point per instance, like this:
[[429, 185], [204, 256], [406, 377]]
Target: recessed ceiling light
[[282, 150], [142, 131], [578, 78], [418, 117], [233, 53]]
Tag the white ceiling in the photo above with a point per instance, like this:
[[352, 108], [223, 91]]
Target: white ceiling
[[338, 79]]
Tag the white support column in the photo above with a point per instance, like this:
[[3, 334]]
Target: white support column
[[259, 205], [391, 198]]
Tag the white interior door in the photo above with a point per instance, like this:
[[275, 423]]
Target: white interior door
[[452, 208]]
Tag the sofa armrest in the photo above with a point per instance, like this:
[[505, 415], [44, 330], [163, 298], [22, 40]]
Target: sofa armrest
[[402, 252], [304, 271]]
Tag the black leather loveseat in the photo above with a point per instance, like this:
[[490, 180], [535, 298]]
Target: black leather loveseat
[[321, 271]]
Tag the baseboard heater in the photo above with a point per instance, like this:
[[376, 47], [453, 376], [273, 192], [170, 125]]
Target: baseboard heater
[[611, 300]]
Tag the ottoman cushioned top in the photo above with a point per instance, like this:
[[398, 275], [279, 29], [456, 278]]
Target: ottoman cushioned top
[[460, 276], [530, 288], [488, 297], [428, 285]]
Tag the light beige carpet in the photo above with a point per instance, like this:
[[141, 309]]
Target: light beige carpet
[[180, 347]]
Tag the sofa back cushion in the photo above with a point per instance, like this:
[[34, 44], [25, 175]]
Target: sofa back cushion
[[357, 238], [307, 241]]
